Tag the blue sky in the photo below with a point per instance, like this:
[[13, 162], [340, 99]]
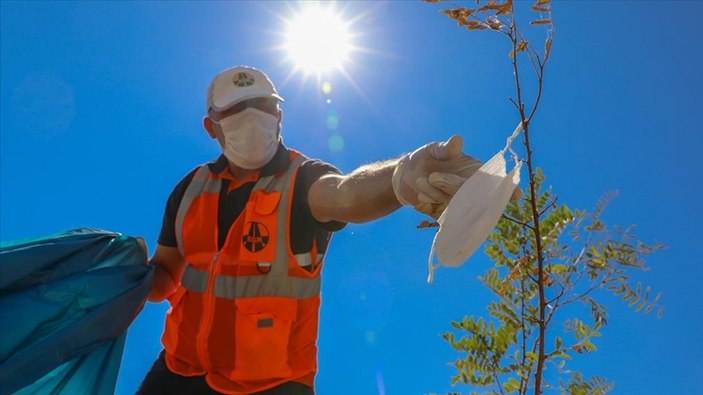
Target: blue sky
[[102, 102]]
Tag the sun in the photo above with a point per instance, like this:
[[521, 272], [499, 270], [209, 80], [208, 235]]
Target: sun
[[318, 40]]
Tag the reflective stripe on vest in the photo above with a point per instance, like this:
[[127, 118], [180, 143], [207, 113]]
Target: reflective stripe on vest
[[201, 183], [234, 287], [195, 280], [306, 259]]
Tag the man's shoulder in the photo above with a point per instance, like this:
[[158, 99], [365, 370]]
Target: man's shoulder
[[182, 185], [216, 165], [315, 166]]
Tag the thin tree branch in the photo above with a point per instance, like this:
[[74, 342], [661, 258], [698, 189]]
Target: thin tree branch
[[560, 294], [594, 286], [533, 279], [539, 92], [556, 300], [575, 298], [523, 384], [516, 221], [535, 218], [513, 101], [548, 205], [500, 386], [531, 54]]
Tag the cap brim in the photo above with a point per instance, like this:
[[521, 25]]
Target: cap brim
[[228, 101]]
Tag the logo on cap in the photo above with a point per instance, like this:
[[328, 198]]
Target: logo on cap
[[256, 238], [243, 79]]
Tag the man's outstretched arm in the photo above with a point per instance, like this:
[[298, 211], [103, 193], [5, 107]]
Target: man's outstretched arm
[[361, 196], [425, 179]]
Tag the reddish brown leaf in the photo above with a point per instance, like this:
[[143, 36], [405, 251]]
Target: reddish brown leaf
[[539, 9], [466, 12], [427, 224], [514, 274], [449, 13], [519, 48], [546, 280], [491, 5], [433, 1], [543, 2], [541, 22], [459, 14], [505, 8], [547, 48], [494, 23]]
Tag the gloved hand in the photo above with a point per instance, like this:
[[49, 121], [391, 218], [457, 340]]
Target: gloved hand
[[428, 177]]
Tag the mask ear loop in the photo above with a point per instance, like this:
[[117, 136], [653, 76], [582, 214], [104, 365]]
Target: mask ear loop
[[430, 265], [509, 142]]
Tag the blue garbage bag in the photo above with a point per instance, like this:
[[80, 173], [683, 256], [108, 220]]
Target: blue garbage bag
[[66, 302]]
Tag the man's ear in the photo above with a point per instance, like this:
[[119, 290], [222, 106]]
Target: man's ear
[[207, 124]]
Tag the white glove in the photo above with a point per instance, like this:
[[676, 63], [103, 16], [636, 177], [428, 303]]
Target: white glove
[[428, 177]]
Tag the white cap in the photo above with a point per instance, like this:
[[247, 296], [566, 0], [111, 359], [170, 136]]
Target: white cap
[[236, 84]]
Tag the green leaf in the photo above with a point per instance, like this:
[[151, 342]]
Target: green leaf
[[588, 345], [562, 355], [595, 252], [511, 385], [558, 268]]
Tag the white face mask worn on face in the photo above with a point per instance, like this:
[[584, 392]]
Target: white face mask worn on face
[[251, 138], [474, 210]]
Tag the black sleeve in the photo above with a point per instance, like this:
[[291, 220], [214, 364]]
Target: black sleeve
[[310, 171], [167, 236]]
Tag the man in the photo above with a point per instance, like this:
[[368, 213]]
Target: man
[[241, 248]]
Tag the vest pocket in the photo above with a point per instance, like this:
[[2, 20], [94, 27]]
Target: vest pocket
[[260, 227], [262, 334]]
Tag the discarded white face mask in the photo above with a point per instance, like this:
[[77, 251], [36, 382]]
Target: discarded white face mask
[[251, 138], [474, 210]]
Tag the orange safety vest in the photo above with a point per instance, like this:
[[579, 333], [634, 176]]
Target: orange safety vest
[[246, 315]]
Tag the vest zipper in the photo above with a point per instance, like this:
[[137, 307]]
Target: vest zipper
[[208, 313]]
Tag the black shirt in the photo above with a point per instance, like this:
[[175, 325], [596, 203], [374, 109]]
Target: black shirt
[[303, 226]]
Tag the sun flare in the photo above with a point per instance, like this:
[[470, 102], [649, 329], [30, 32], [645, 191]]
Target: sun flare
[[318, 40]]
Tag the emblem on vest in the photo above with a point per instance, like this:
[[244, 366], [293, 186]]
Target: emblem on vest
[[256, 236]]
